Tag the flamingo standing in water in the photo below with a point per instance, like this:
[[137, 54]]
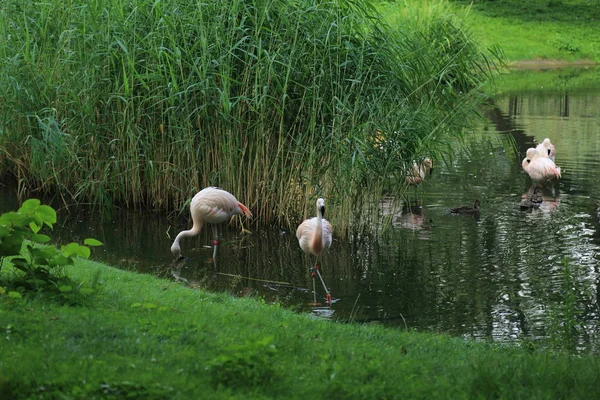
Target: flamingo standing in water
[[417, 173], [546, 149], [214, 206], [315, 236], [539, 168]]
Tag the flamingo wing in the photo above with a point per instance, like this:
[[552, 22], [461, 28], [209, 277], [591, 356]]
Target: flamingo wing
[[305, 232], [327, 234]]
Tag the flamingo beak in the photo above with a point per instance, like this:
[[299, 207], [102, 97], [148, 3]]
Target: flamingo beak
[[323, 211]]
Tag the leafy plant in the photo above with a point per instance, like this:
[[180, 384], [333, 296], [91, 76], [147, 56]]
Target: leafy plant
[[40, 267]]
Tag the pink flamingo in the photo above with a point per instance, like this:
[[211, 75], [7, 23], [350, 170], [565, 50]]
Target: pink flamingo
[[418, 171], [539, 168], [214, 206], [546, 149], [315, 236], [416, 174]]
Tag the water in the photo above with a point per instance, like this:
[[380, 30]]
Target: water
[[498, 276]]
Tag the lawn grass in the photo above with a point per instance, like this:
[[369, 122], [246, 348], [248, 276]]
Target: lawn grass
[[539, 30], [142, 337], [535, 30], [549, 80]]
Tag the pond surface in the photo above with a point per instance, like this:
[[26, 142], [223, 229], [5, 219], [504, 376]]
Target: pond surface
[[501, 276]]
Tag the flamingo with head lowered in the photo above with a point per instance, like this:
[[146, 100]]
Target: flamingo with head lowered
[[539, 168], [546, 149], [210, 205], [315, 236]]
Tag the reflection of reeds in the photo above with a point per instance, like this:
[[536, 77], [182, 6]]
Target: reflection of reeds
[[145, 103]]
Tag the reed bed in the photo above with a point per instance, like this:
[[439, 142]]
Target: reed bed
[[143, 103]]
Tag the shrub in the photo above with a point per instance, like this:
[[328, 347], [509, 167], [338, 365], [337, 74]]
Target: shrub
[[38, 267]]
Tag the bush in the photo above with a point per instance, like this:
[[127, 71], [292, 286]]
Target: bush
[[36, 266]]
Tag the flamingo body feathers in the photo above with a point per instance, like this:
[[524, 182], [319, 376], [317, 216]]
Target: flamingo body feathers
[[315, 234], [538, 167], [210, 205]]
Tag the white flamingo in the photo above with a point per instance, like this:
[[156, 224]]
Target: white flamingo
[[539, 168], [315, 236], [546, 149], [418, 171], [210, 205]]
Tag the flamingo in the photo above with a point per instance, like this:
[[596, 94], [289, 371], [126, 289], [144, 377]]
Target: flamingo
[[418, 171], [416, 174], [538, 167], [315, 236], [210, 205], [547, 149]]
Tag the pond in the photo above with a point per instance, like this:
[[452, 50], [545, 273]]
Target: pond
[[508, 275]]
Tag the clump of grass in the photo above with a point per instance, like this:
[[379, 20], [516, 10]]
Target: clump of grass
[[143, 103]]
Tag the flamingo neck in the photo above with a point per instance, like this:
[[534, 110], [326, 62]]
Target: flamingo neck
[[196, 228], [317, 242]]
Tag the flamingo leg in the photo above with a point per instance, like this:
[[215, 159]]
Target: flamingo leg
[[215, 241], [316, 269]]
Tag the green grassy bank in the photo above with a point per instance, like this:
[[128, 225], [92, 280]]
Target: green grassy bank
[[140, 337], [530, 33]]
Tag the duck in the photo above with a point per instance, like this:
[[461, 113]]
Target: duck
[[533, 199], [467, 209]]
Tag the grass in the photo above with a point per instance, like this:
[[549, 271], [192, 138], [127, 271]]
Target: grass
[[143, 103], [549, 80], [539, 29], [147, 338], [535, 30]]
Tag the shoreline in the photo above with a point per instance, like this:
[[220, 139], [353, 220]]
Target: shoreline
[[549, 64]]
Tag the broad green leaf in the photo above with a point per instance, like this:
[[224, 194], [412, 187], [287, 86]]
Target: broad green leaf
[[65, 288], [11, 245], [20, 267], [92, 242], [4, 231], [70, 249], [39, 238], [29, 206], [84, 252], [19, 261], [10, 218], [48, 215], [60, 260], [15, 295]]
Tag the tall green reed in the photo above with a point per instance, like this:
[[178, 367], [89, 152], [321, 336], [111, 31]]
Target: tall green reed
[[143, 103]]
